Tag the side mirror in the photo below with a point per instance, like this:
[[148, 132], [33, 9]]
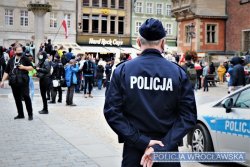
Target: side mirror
[[227, 104]]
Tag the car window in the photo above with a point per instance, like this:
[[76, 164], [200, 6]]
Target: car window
[[234, 97], [244, 99]]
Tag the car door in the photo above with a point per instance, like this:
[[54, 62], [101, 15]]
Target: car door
[[233, 129]]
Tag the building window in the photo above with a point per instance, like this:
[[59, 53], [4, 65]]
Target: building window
[[112, 25], [9, 17], [85, 3], [104, 3], [138, 7], [159, 9], [211, 33], [149, 8], [137, 26], [104, 24], [187, 34], [169, 8], [68, 19], [95, 23], [112, 3], [24, 18], [95, 3], [168, 29], [53, 20], [246, 42], [121, 4], [121, 25], [85, 23]]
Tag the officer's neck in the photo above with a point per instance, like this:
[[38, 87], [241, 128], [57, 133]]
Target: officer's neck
[[143, 48]]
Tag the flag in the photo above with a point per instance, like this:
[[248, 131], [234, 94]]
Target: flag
[[65, 26]]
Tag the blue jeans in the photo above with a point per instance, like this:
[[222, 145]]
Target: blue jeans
[[99, 83], [32, 88]]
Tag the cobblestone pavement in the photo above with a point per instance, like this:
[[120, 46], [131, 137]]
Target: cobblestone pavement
[[26, 143], [70, 135]]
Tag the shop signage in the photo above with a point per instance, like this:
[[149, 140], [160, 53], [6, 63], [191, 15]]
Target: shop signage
[[104, 42]]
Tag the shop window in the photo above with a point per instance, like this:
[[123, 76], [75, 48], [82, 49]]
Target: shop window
[[95, 3], [95, 23], [85, 3], [121, 4], [121, 25], [104, 24], [104, 3], [112, 25], [85, 23], [211, 33], [112, 3]]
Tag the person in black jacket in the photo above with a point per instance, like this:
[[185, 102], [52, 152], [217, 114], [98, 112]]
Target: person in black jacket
[[57, 75], [17, 72], [2, 63], [238, 73], [43, 73]]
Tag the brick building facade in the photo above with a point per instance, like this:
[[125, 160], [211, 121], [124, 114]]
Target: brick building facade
[[208, 19], [238, 26]]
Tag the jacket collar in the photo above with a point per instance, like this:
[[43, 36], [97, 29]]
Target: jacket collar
[[151, 52]]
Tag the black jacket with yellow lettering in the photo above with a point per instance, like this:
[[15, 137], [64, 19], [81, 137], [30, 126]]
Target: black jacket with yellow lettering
[[150, 98]]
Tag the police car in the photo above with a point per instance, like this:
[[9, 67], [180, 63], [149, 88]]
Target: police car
[[224, 126]]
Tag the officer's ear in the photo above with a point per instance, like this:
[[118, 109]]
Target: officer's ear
[[138, 42], [163, 45]]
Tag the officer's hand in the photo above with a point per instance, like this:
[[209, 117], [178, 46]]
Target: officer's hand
[[146, 160], [154, 142]]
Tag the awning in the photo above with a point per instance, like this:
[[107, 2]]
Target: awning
[[94, 49]]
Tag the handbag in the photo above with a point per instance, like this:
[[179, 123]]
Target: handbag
[[55, 83]]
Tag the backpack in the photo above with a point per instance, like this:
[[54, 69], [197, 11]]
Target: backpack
[[192, 74], [88, 67]]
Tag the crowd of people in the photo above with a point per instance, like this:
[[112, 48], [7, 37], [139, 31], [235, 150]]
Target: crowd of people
[[55, 69], [202, 74]]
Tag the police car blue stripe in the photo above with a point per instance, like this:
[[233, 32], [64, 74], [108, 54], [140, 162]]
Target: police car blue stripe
[[229, 126]]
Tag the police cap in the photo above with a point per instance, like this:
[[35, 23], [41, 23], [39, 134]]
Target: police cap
[[152, 30]]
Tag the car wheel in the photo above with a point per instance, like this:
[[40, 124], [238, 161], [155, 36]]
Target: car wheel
[[201, 139]]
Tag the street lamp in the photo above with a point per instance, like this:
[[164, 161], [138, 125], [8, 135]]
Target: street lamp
[[191, 33]]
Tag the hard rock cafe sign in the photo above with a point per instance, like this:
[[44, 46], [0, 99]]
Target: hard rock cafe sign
[[105, 42]]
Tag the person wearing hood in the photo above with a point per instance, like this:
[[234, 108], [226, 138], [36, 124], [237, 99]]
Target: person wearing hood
[[238, 74], [43, 73], [221, 72]]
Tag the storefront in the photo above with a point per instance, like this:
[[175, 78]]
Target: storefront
[[106, 47]]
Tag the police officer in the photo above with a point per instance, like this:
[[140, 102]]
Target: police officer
[[150, 103]]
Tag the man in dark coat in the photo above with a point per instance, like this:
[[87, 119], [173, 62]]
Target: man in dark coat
[[150, 103], [238, 74]]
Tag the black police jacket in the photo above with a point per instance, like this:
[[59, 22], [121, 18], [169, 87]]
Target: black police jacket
[[150, 98]]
